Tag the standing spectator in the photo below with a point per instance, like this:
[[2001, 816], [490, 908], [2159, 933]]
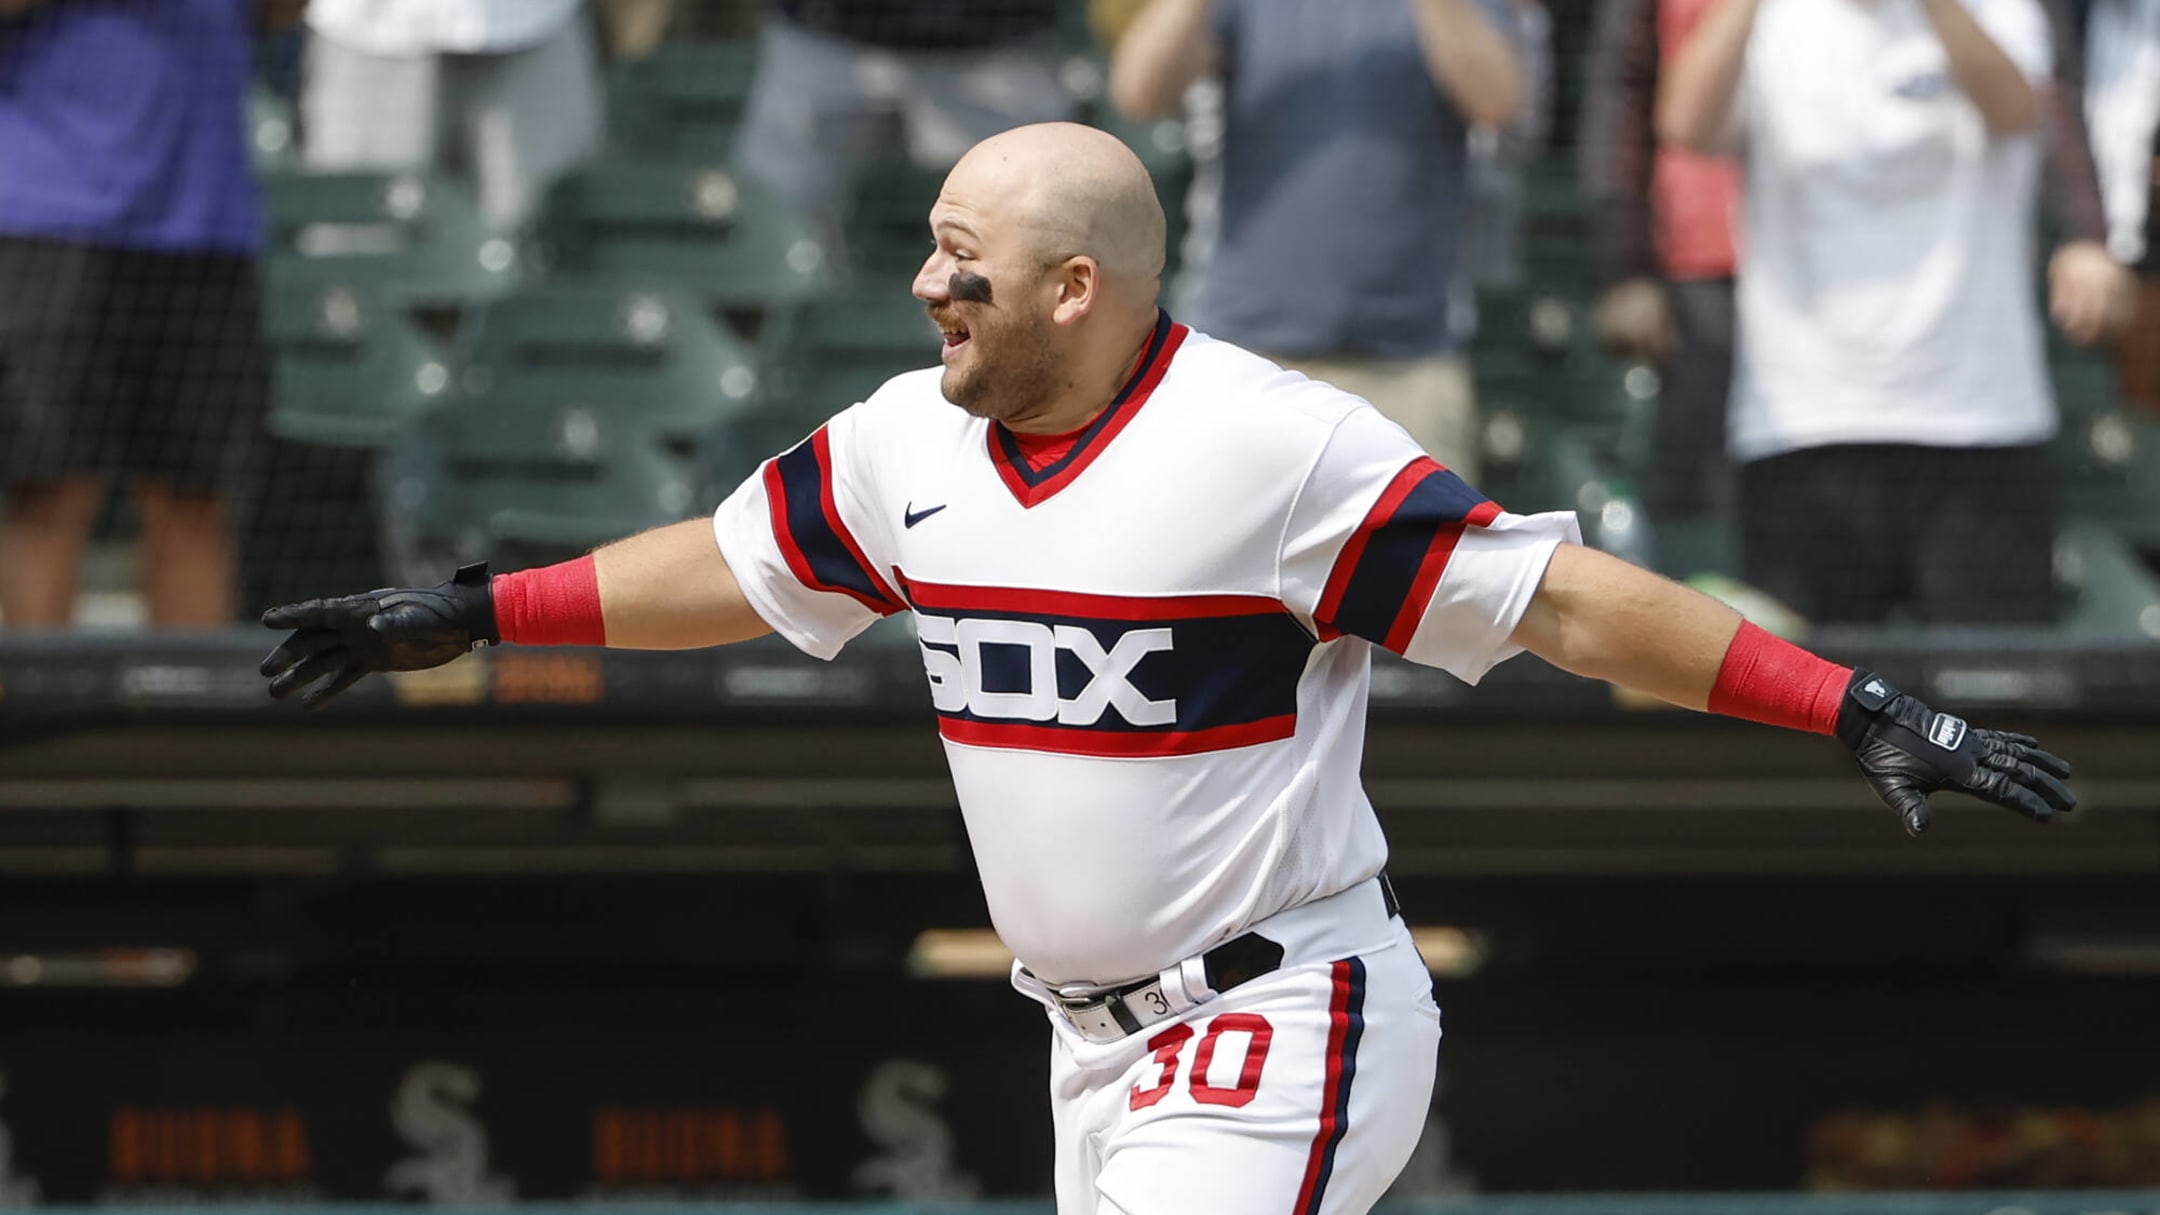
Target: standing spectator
[[842, 84], [509, 92], [1344, 177], [1891, 397], [2122, 105], [129, 314], [1663, 218]]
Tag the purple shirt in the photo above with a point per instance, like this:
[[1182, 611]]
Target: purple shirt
[[122, 124]]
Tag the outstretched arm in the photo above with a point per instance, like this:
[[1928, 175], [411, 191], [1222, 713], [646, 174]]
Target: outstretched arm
[[1599, 617], [666, 589]]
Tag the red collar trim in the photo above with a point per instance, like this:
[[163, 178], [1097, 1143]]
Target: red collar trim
[[1030, 485]]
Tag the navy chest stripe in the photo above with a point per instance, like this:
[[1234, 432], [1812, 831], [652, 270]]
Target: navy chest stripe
[[1108, 675]]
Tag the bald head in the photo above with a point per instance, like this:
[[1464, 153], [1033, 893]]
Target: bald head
[[1070, 191]]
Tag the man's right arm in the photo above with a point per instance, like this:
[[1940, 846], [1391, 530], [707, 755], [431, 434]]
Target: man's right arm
[[1697, 99], [666, 589], [1167, 47], [671, 589]]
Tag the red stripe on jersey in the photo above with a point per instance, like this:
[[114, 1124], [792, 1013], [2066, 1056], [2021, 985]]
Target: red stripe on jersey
[[1354, 548], [938, 597], [1317, 1160], [1430, 571], [1116, 418], [891, 602], [1114, 744], [823, 530], [783, 534]]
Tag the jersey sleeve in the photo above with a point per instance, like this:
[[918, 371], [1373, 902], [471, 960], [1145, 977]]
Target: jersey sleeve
[[1385, 544], [794, 532]]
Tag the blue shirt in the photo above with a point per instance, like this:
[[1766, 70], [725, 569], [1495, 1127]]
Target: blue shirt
[[122, 124], [1343, 182]]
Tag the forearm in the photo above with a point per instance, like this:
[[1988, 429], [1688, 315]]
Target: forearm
[[666, 589], [1599, 617], [1167, 47], [1987, 76], [1602, 618], [1697, 96], [1471, 60], [670, 589]]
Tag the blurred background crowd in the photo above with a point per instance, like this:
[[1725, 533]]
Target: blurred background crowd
[[297, 297]]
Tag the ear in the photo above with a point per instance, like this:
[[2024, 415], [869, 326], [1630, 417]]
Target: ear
[[1079, 285]]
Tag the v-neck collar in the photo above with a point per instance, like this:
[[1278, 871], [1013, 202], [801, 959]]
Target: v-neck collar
[[1031, 485]]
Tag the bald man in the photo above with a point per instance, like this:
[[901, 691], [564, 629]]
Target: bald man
[[1147, 570]]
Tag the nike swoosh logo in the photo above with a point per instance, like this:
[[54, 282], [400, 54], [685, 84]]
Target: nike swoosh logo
[[910, 516]]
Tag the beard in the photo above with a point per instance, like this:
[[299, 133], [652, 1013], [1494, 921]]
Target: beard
[[1008, 372]]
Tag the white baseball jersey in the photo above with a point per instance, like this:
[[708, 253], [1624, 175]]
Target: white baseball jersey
[[1149, 658]]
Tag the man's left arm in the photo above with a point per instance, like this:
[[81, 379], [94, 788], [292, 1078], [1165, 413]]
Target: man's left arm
[[1599, 617], [1984, 71], [1471, 59]]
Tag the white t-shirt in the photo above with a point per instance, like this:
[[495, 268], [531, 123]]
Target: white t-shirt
[[1149, 660], [409, 28], [2122, 108], [1887, 293]]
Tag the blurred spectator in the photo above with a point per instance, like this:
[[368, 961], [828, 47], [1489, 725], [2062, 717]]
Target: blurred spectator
[[129, 314], [2122, 105], [1663, 218], [1343, 181], [507, 92], [843, 84], [1891, 396], [1492, 215]]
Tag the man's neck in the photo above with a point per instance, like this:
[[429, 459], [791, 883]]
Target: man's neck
[[1091, 392]]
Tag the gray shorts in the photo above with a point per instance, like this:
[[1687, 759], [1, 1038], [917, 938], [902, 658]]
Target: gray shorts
[[824, 108]]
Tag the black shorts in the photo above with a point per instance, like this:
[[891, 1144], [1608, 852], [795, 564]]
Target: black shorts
[[1852, 534], [129, 362]]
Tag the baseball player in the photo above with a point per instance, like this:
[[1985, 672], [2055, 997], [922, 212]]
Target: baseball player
[[1147, 570]]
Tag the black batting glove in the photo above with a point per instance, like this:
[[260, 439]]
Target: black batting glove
[[340, 641], [1907, 751]]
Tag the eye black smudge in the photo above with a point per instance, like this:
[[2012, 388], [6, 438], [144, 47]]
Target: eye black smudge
[[973, 288]]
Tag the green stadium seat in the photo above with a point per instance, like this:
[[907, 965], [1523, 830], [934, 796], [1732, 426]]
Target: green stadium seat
[[824, 354], [348, 368], [693, 222], [2114, 594], [886, 224], [684, 99], [415, 236], [584, 411]]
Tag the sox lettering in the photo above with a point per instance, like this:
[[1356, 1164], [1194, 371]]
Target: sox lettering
[[956, 676]]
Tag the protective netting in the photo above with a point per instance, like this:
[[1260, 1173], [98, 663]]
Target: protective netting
[[534, 282]]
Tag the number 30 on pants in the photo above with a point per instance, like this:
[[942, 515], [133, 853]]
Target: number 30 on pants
[[1169, 1045]]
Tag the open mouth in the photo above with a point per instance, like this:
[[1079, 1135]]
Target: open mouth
[[956, 336]]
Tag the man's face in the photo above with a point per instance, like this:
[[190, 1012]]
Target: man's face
[[985, 291]]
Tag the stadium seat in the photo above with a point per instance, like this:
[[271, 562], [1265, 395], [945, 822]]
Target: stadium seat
[[692, 222], [886, 224], [824, 354], [348, 368], [2113, 594], [684, 99], [584, 411], [416, 237]]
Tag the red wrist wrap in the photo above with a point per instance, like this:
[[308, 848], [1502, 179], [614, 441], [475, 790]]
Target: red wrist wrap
[[556, 605], [1773, 681]]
